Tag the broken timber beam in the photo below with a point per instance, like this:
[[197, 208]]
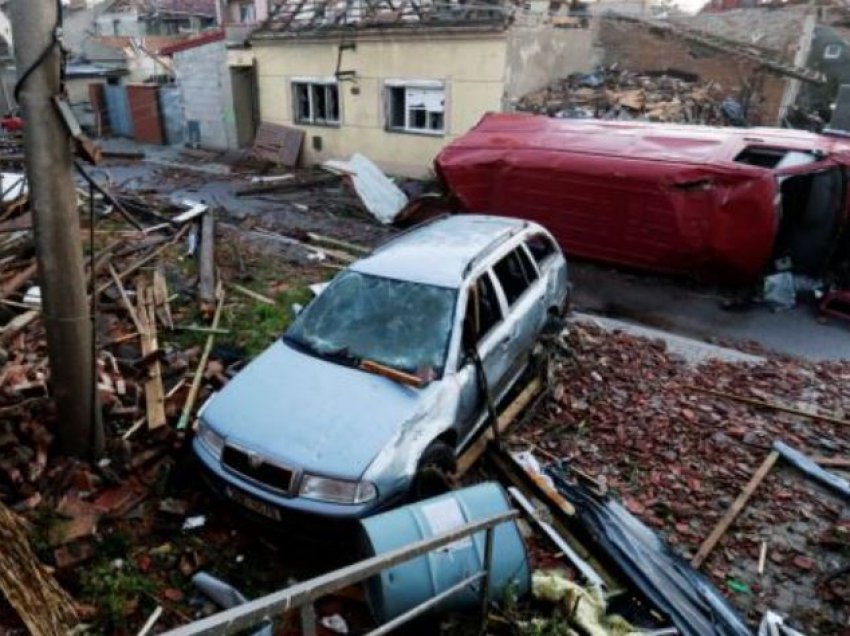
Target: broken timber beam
[[734, 510], [18, 280], [471, 455], [154, 392], [44, 607], [206, 256], [199, 372], [824, 417]]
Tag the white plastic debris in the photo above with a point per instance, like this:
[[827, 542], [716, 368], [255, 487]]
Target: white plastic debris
[[379, 195], [318, 288], [33, 296], [772, 624], [13, 185], [335, 623], [192, 523]]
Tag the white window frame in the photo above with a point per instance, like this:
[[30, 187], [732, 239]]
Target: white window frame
[[312, 84], [832, 52], [420, 85]]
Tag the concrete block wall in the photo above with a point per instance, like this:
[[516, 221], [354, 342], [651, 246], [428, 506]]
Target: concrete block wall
[[204, 80], [640, 48]]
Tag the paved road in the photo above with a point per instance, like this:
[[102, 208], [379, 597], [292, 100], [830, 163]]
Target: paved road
[[694, 311]]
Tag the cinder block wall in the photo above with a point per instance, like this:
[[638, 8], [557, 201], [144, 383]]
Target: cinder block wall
[[204, 80], [637, 47]]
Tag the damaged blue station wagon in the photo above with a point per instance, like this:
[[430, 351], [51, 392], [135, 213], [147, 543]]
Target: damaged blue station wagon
[[377, 380]]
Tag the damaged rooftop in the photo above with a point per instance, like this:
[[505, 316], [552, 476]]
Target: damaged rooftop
[[328, 17]]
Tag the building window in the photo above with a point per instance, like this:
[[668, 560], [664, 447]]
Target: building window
[[316, 103], [416, 109], [246, 13], [832, 52]]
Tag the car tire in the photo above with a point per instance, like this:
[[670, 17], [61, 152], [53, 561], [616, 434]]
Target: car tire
[[435, 472]]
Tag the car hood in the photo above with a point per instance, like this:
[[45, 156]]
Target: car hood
[[313, 414]]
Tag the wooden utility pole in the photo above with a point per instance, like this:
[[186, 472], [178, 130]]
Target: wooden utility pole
[[53, 200]]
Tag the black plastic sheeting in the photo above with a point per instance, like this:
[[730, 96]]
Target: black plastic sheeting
[[692, 604]]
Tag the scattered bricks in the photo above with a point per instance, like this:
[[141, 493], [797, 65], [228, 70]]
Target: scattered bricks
[[72, 555], [118, 501]]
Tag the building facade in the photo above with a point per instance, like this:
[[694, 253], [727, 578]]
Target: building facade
[[399, 91]]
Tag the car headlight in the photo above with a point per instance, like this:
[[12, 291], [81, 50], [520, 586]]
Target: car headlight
[[213, 442], [337, 490]]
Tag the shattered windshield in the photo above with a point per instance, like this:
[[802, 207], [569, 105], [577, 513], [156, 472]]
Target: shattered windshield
[[396, 323]]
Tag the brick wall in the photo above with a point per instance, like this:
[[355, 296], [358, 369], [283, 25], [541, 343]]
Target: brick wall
[[640, 48]]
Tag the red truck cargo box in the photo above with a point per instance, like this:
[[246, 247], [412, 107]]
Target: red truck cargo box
[[698, 201]]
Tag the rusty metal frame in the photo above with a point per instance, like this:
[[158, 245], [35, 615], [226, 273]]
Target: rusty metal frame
[[302, 596]]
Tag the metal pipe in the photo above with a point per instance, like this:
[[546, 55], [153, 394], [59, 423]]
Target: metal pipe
[[410, 614]]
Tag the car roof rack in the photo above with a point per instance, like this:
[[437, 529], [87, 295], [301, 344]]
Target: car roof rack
[[493, 245], [412, 228]]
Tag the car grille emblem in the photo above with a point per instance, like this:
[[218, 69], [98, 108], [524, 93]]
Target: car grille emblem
[[255, 460]]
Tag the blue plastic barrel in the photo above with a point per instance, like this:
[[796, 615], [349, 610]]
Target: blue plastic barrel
[[405, 586]]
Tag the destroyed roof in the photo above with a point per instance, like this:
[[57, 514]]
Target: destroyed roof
[[150, 43], [457, 239], [777, 30], [700, 145], [204, 8], [314, 17]]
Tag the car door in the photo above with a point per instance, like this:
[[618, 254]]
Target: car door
[[484, 310], [524, 296]]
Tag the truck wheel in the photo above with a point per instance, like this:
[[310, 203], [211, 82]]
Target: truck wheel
[[434, 476]]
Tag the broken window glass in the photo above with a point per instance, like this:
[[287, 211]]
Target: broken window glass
[[512, 276], [540, 246], [316, 103], [396, 323], [486, 314], [396, 107]]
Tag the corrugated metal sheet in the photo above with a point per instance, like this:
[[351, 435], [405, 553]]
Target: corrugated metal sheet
[[144, 109], [381, 197], [172, 114], [118, 109]]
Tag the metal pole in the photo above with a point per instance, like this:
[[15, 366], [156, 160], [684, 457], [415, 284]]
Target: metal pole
[[53, 200], [485, 582]]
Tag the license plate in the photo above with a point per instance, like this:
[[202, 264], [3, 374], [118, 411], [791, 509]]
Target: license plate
[[254, 505]]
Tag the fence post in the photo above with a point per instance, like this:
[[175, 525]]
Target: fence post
[[485, 582], [308, 619]]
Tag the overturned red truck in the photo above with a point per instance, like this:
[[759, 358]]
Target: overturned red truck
[[720, 204]]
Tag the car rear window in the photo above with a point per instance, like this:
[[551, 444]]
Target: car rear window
[[540, 246]]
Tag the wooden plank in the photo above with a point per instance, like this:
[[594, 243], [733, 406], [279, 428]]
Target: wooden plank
[[824, 417], [199, 372], [251, 294], [278, 144], [160, 299], [154, 392], [41, 603], [734, 510], [206, 256], [18, 280], [474, 452]]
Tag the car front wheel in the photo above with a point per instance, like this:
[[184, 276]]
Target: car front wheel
[[435, 473]]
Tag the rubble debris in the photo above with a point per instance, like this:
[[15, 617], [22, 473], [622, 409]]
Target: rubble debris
[[380, 196], [684, 596], [278, 144], [613, 93], [227, 596], [810, 468], [617, 401], [738, 505], [586, 609], [43, 606]]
